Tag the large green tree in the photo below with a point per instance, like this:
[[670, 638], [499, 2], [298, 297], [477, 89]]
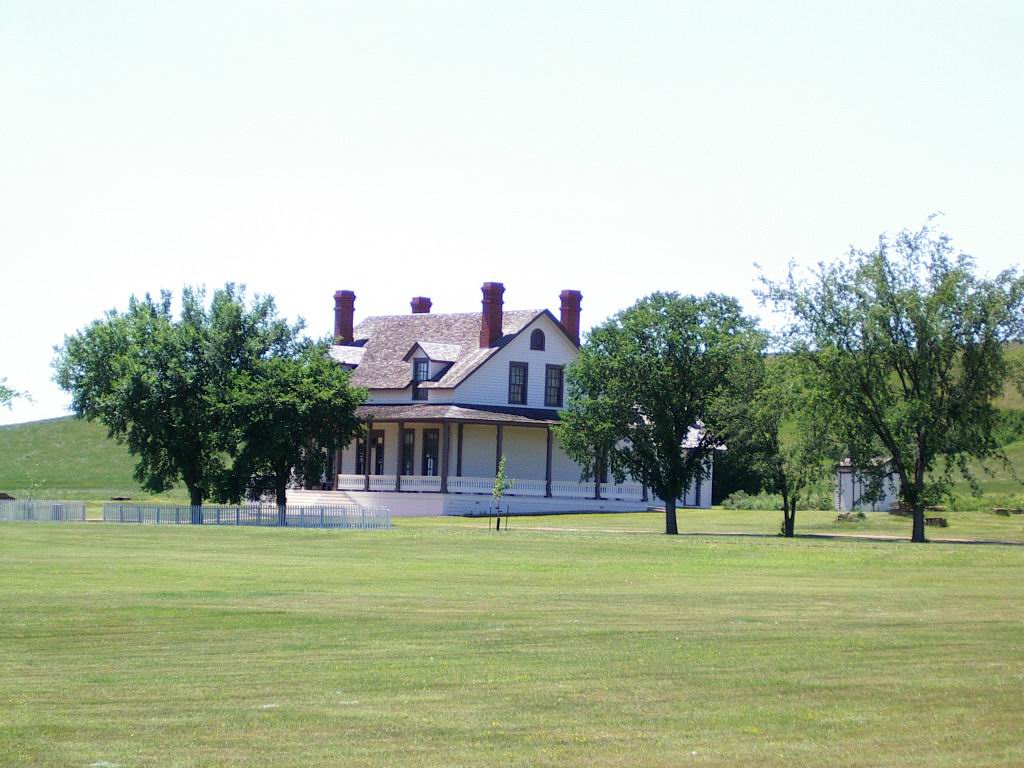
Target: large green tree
[[159, 382], [780, 425], [908, 349], [289, 411], [645, 378]]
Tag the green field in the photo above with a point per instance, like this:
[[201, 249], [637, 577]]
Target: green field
[[74, 460], [440, 643], [68, 459], [962, 525]]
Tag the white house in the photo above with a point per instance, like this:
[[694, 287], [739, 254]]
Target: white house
[[449, 394], [854, 491]]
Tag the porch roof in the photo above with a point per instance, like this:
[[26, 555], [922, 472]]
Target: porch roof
[[490, 414]]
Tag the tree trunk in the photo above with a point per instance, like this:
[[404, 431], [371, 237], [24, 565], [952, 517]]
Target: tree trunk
[[671, 528], [918, 533], [281, 495], [788, 517], [195, 494]]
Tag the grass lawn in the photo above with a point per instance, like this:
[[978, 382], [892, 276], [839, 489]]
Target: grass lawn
[[962, 525], [442, 644]]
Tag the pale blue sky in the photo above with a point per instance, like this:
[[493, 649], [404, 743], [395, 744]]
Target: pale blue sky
[[423, 148]]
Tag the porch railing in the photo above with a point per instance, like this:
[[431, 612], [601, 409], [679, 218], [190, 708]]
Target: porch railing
[[351, 482], [567, 489], [421, 483], [382, 483], [623, 491], [564, 489], [470, 484]]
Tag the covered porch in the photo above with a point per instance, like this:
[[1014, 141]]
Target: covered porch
[[455, 450]]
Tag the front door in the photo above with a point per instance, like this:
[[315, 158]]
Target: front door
[[430, 452], [377, 452]]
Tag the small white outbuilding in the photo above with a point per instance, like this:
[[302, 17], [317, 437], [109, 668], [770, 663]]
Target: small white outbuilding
[[855, 491]]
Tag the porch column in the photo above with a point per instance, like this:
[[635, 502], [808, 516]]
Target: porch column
[[458, 460], [400, 447], [366, 455], [445, 446], [497, 455], [547, 466]]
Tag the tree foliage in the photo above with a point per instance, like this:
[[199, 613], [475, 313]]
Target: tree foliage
[[159, 383], [645, 378], [289, 411], [908, 350], [781, 424], [8, 395]]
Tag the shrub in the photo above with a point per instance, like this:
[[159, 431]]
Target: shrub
[[817, 499]]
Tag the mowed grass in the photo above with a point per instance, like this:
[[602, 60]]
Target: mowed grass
[[962, 525], [440, 643]]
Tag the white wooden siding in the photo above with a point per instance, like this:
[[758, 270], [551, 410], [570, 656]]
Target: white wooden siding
[[488, 385], [562, 467], [852, 487], [390, 395], [525, 450], [478, 450]]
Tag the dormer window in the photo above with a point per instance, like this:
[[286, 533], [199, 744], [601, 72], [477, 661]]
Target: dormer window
[[420, 372], [537, 339]]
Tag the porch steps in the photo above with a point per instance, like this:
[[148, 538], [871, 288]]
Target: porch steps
[[296, 496]]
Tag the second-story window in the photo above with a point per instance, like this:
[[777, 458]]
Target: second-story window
[[553, 386], [420, 372], [517, 383]]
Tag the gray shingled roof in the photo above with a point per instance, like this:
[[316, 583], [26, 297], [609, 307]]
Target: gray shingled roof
[[439, 353], [456, 412], [387, 338]]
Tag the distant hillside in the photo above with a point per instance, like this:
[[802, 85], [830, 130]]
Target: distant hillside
[[65, 459]]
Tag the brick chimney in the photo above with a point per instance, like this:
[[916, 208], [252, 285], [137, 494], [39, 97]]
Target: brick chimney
[[420, 305], [344, 309], [571, 313], [490, 319]]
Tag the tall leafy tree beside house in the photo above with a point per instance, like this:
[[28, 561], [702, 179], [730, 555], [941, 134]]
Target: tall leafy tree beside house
[[781, 424], [907, 346], [288, 412], [159, 382], [645, 378]]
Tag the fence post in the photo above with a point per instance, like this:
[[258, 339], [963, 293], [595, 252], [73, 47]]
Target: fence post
[[321, 517], [158, 515]]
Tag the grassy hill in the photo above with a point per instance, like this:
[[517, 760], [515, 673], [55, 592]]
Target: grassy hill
[[67, 459], [71, 459]]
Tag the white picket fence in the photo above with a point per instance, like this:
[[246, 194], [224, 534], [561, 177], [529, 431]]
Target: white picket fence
[[295, 516], [42, 511]]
